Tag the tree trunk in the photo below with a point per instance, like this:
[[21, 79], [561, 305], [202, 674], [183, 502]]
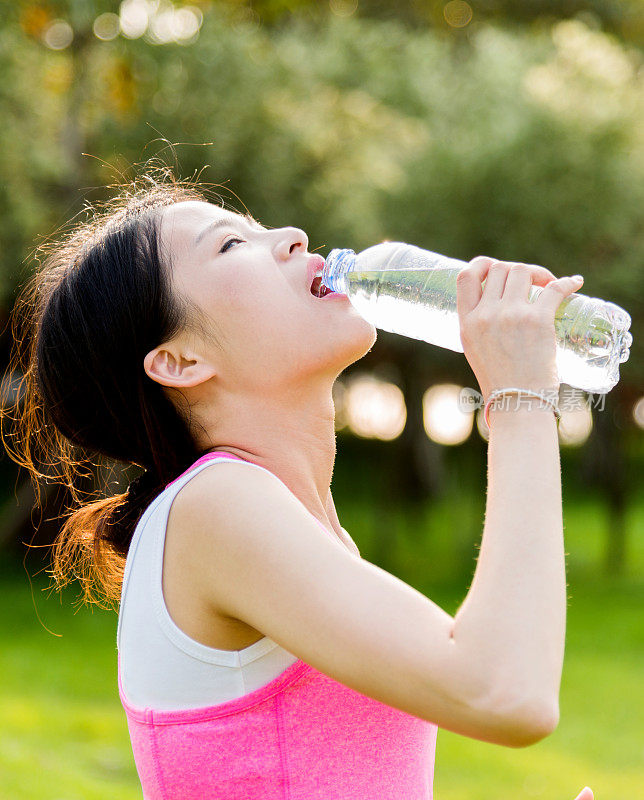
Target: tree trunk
[[606, 471]]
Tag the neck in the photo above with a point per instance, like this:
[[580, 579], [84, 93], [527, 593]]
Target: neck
[[293, 438]]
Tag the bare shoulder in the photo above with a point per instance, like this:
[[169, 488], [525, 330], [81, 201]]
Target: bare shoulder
[[231, 488]]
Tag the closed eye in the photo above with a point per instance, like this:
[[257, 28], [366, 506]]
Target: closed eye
[[229, 241]]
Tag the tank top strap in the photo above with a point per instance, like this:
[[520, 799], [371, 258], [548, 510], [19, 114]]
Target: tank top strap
[[201, 460], [229, 456]]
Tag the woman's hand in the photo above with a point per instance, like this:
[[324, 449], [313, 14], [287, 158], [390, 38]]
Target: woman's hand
[[508, 340], [585, 794]]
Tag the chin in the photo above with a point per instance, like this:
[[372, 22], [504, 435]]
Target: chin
[[351, 342], [360, 343]]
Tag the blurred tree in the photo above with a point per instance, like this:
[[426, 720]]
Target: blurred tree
[[624, 18], [524, 144]]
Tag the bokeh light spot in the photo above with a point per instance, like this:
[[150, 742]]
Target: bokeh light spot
[[187, 22], [576, 421], [444, 420], [134, 17], [343, 8], [458, 13], [575, 426], [374, 409], [106, 27], [638, 412], [58, 34], [169, 24]]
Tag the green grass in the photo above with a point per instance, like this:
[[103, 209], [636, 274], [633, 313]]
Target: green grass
[[63, 733]]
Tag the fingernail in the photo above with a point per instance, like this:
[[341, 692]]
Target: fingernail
[[578, 277]]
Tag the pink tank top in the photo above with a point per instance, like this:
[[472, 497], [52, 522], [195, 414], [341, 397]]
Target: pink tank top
[[303, 736]]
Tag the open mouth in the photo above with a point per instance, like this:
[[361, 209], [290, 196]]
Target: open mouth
[[318, 289]]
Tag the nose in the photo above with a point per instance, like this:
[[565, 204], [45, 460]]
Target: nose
[[289, 241]]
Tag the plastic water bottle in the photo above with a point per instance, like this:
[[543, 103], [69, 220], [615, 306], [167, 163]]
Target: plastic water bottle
[[410, 291]]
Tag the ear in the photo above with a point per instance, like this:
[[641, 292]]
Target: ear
[[172, 368]]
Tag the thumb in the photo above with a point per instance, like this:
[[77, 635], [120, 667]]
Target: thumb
[[585, 794]]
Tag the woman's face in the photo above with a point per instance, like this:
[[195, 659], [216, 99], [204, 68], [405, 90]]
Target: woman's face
[[253, 284]]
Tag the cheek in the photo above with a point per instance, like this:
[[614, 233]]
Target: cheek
[[262, 317], [235, 298]]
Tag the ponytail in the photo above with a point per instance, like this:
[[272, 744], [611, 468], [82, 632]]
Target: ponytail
[[93, 543]]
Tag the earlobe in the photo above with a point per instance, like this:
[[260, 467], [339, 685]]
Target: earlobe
[[164, 367]]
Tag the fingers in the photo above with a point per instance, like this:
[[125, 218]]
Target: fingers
[[540, 275], [522, 276], [585, 794], [516, 277], [518, 283], [556, 291], [486, 279], [495, 281], [468, 284]]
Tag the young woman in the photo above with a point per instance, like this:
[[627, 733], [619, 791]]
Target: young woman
[[259, 656]]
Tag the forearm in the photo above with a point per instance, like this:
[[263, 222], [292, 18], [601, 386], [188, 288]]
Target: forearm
[[511, 626]]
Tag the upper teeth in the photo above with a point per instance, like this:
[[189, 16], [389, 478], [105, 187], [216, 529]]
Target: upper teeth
[[318, 274]]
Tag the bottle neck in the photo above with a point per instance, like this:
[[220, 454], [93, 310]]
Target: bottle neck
[[337, 264]]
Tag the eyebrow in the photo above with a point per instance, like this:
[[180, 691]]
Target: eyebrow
[[222, 223]]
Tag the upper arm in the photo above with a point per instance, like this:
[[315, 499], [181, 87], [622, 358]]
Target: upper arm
[[260, 557]]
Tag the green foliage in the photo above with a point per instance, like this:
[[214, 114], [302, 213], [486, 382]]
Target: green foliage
[[518, 144]]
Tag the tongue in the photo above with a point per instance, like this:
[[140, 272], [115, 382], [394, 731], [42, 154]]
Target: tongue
[[317, 288]]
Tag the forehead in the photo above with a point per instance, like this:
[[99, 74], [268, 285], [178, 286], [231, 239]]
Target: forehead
[[182, 222]]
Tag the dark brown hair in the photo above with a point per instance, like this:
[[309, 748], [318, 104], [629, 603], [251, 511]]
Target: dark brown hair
[[99, 301]]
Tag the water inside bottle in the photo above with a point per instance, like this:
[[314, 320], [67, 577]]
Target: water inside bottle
[[592, 339], [418, 303]]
